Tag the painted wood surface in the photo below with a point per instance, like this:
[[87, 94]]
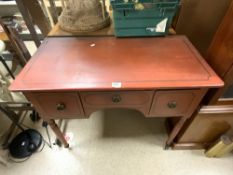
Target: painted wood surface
[[107, 63]]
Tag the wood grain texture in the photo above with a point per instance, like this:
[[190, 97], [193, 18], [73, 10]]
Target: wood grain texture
[[94, 63]]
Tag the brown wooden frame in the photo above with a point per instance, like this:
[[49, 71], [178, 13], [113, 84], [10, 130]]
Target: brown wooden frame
[[206, 111], [220, 56]]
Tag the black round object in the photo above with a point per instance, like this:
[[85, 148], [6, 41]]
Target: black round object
[[25, 143]]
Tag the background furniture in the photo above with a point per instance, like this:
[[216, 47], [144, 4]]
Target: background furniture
[[216, 118], [220, 57], [17, 44], [33, 13], [206, 127], [93, 73], [10, 8], [199, 20]]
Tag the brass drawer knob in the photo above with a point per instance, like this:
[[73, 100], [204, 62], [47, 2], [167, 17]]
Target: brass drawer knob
[[61, 106], [116, 99], [172, 104]]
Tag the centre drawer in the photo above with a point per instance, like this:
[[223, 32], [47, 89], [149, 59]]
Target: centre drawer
[[140, 100]]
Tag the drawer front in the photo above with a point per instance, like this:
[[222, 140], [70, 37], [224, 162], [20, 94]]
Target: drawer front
[[57, 105], [140, 100], [174, 103]]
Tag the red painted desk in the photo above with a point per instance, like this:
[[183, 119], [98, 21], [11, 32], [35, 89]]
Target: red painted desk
[[72, 77]]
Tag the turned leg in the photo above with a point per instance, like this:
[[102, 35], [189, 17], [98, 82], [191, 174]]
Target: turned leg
[[175, 132], [58, 132]]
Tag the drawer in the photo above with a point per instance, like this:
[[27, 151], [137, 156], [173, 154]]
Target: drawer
[[57, 105], [139, 100], [174, 103]]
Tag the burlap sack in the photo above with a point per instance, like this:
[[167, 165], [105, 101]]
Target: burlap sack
[[83, 16]]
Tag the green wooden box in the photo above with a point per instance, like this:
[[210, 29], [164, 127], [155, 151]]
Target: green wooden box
[[143, 17]]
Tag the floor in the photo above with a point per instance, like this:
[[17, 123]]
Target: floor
[[117, 142]]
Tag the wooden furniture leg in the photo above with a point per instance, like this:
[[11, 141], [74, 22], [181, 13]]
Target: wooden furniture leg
[[175, 131], [38, 15], [17, 44], [58, 132]]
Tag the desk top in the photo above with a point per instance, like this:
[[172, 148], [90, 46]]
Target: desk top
[[107, 63]]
